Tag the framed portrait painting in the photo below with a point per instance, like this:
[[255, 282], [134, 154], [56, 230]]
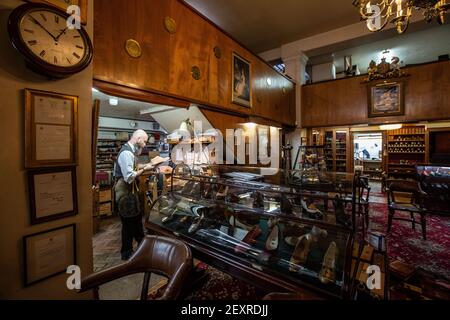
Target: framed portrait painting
[[241, 81], [386, 99]]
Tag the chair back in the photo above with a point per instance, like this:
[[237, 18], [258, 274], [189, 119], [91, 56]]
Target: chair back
[[164, 256], [409, 187], [363, 188]]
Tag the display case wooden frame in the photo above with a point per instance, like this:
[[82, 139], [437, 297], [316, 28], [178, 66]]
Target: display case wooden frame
[[35, 260], [63, 5], [48, 120], [36, 218]]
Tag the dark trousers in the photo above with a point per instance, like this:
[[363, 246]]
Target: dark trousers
[[132, 228]]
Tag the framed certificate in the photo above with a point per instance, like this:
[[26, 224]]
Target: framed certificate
[[51, 122], [48, 253], [53, 194]]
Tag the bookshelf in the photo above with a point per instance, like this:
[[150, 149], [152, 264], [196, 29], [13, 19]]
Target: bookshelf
[[407, 147]]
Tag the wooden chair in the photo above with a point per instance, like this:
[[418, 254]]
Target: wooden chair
[[362, 200], [167, 257], [407, 196]]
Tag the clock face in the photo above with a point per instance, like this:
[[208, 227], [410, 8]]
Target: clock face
[[40, 33], [46, 35]]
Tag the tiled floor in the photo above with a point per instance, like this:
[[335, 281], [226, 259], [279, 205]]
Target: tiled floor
[[107, 243]]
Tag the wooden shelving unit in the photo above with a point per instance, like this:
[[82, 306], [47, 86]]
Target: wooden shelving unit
[[336, 142], [407, 147]]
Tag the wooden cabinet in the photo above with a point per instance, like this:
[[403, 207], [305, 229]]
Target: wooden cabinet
[[337, 148], [407, 147]]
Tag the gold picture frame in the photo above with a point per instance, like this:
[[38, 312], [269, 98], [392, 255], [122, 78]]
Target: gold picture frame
[[241, 81], [63, 5], [49, 253], [386, 99], [51, 124]]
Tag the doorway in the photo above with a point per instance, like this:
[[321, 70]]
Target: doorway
[[368, 154]]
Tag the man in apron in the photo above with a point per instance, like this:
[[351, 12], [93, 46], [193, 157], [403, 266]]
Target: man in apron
[[126, 173]]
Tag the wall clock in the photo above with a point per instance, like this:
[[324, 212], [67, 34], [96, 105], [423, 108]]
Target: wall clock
[[40, 33]]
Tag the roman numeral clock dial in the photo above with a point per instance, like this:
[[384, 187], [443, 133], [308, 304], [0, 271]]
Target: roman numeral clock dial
[[40, 33]]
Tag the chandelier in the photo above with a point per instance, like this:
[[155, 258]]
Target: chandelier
[[378, 14]]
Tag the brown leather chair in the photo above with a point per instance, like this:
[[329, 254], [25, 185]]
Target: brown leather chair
[[407, 196], [167, 257]]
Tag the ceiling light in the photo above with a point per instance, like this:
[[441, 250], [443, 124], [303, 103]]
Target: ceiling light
[[113, 101], [391, 126], [399, 12]]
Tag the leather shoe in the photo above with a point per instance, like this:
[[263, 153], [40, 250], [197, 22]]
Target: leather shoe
[[274, 235], [300, 254], [328, 272]]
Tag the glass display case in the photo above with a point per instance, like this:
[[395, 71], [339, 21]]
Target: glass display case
[[435, 181], [273, 234]]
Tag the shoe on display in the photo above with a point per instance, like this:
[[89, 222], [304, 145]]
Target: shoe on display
[[328, 272], [274, 235], [285, 205], [196, 223], [248, 240], [300, 254], [339, 210], [312, 211], [292, 232], [222, 193], [258, 201]]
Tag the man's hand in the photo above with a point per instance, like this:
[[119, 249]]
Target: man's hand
[[148, 166]]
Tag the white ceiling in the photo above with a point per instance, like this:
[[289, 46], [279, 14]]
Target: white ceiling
[[266, 24], [411, 48], [126, 109]]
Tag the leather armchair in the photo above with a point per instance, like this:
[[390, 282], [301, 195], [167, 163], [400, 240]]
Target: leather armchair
[[167, 257]]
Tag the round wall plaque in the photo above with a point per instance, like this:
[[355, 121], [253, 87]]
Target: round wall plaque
[[196, 74], [170, 24], [133, 48], [217, 52]]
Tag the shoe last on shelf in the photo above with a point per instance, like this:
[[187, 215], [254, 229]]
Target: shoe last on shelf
[[300, 253], [274, 236], [328, 272]]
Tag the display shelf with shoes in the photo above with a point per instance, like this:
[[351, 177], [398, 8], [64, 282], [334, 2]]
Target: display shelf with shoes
[[268, 234]]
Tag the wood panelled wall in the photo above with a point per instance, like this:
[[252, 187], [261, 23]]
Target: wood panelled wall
[[344, 102], [167, 59]]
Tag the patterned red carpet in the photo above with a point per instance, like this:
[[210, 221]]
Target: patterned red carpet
[[407, 245]]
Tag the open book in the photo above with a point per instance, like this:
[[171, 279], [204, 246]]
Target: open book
[[158, 160]]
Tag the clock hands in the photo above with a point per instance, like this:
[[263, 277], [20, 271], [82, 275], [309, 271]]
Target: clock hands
[[62, 32], [40, 25]]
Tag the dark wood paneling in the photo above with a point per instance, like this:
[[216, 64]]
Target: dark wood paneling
[[344, 102], [167, 59]]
